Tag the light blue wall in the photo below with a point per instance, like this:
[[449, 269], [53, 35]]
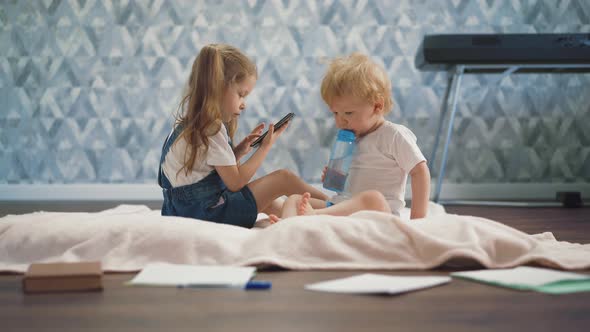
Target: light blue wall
[[87, 87]]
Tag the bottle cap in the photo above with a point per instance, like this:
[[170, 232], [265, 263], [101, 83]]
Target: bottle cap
[[346, 135]]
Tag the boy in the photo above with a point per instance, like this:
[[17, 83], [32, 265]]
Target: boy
[[358, 93]]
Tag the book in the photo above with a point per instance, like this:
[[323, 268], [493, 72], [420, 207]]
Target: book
[[528, 278], [193, 276], [369, 283], [63, 277]]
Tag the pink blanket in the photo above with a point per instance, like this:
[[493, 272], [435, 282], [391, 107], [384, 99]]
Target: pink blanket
[[128, 237]]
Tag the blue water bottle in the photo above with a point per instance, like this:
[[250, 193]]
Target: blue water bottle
[[340, 160]]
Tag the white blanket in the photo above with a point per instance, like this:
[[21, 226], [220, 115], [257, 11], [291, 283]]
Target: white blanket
[[128, 237]]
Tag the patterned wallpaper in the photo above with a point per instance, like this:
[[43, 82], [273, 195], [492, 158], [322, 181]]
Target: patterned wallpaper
[[87, 87]]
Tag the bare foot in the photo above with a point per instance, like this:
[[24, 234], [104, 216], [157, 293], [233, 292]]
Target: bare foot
[[304, 208], [273, 218]]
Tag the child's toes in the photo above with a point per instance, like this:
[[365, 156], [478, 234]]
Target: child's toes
[[273, 218]]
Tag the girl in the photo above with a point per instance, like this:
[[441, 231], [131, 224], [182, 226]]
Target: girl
[[200, 173]]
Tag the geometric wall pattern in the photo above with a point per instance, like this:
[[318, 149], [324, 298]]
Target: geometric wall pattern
[[87, 87]]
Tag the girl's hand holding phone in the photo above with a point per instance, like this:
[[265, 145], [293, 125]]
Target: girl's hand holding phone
[[272, 136], [285, 120], [244, 147]]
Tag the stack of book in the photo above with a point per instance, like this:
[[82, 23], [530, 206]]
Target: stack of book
[[63, 277]]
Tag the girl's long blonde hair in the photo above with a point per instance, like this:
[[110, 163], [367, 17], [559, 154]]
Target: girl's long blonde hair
[[216, 68]]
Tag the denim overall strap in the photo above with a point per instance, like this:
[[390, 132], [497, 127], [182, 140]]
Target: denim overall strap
[[162, 179]]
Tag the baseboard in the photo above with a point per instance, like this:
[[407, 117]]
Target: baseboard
[[148, 192], [80, 192], [511, 191]]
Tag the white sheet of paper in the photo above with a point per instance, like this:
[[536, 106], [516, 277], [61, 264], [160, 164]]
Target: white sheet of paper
[[369, 283], [161, 274], [522, 275]]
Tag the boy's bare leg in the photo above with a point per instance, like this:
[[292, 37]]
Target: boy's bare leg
[[278, 183], [367, 200], [290, 206], [317, 203], [297, 205], [304, 207], [275, 207]]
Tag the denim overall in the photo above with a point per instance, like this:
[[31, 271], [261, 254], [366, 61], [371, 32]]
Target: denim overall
[[208, 199]]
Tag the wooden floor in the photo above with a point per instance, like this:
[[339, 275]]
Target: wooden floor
[[458, 306]]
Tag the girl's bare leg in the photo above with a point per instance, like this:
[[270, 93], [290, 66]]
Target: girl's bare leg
[[278, 183]]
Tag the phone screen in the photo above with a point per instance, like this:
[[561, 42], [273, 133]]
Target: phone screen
[[279, 124]]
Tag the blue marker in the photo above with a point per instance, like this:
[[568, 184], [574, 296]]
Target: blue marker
[[258, 285], [250, 285]]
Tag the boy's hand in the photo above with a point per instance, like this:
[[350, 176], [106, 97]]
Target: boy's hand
[[244, 147], [324, 173], [272, 136]]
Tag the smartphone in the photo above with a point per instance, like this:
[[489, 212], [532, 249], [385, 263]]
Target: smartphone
[[279, 124]]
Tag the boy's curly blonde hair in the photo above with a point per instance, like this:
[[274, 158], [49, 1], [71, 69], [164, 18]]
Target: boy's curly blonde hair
[[357, 75]]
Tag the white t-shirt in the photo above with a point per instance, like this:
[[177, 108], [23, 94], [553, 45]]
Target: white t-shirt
[[220, 153], [382, 161]]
